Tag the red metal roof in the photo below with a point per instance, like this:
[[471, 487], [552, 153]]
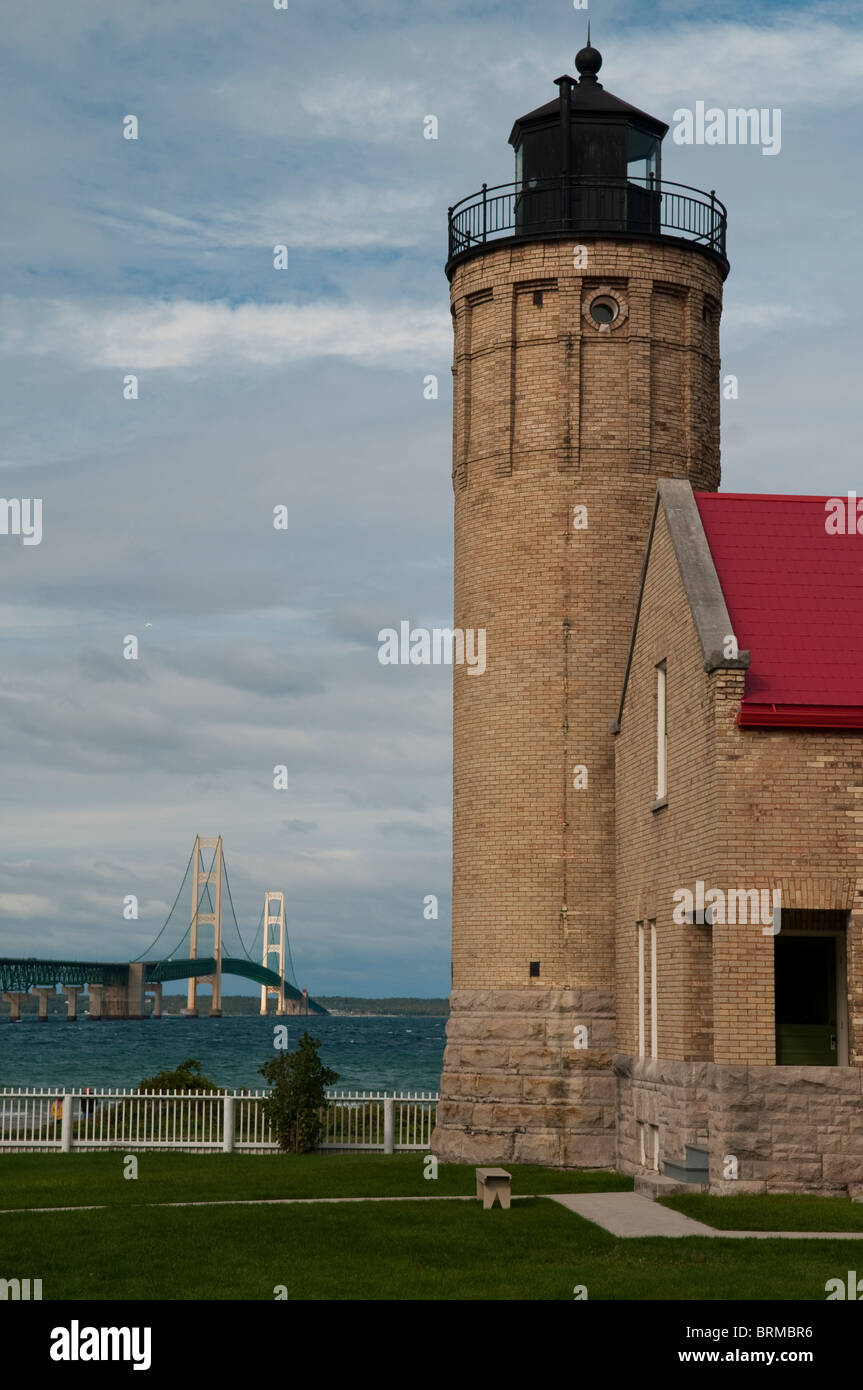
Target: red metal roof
[[794, 591]]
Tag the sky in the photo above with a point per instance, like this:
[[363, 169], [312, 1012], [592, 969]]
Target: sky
[[303, 388]]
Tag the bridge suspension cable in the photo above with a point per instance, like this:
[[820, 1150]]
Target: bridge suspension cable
[[233, 913], [290, 976], [254, 953], [171, 913]]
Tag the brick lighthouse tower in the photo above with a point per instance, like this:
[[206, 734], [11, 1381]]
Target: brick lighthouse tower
[[585, 301]]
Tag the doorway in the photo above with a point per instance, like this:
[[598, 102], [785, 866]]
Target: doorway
[[811, 1017]]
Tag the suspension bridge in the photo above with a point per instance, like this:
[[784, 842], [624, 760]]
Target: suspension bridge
[[205, 905]]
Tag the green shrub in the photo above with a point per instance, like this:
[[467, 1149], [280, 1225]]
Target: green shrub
[[186, 1077], [298, 1082]]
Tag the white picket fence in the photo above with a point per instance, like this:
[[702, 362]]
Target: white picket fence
[[33, 1121]]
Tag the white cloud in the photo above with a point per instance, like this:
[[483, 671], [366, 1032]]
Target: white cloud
[[25, 905], [800, 63], [144, 334], [365, 109], [746, 318], [341, 219], [780, 59]]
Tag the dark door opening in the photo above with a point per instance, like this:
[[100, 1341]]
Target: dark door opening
[[806, 1014]]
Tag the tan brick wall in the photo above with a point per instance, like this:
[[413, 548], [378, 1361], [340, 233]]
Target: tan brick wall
[[550, 413], [747, 808], [789, 803], [669, 848]]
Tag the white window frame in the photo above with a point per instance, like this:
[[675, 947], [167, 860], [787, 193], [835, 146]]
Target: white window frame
[[648, 1028], [640, 939], [661, 731], [654, 1012], [648, 1145]]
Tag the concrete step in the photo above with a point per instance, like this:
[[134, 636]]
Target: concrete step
[[655, 1185], [682, 1172]]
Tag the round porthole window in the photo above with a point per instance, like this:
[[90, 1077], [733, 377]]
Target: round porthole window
[[604, 310]]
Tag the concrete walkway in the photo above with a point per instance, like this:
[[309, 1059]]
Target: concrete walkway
[[257, 1202], [626, 1214]]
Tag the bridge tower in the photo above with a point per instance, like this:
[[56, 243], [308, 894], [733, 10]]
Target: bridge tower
[[274, 921], [202, 878]]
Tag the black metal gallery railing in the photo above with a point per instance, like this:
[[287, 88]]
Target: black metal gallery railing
[[572, 205]]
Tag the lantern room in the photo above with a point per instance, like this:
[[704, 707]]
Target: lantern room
[[588, 159]]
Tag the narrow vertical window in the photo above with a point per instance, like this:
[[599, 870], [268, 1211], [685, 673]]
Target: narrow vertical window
[[653, 1007], [654, 1148], [661, 731], [640, 931]]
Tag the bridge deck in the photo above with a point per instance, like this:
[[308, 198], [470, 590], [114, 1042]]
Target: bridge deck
[[18, 975]]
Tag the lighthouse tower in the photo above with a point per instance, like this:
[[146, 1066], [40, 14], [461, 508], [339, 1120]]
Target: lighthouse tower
[[585, 302]]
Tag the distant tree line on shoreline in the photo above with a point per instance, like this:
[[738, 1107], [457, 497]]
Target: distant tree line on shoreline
[[414, 1008], [239, 1005]]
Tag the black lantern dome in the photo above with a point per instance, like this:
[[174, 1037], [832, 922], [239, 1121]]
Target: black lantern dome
[[589, 133], [585, 163]]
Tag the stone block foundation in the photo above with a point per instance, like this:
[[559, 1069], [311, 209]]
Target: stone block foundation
[[514, 1088], [790, 1129]]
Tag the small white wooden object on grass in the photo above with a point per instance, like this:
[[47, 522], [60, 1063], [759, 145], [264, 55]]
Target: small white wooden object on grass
[[493, 1185]]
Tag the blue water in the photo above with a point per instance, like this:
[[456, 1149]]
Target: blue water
[[393, 1054]]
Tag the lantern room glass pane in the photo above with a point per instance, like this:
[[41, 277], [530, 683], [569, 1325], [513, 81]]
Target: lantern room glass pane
[[642, 156]]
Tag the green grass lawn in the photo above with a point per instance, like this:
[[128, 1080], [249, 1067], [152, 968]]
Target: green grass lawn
[[401, 1251], [771, 1212], [392, 1251], [57, 1180]]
